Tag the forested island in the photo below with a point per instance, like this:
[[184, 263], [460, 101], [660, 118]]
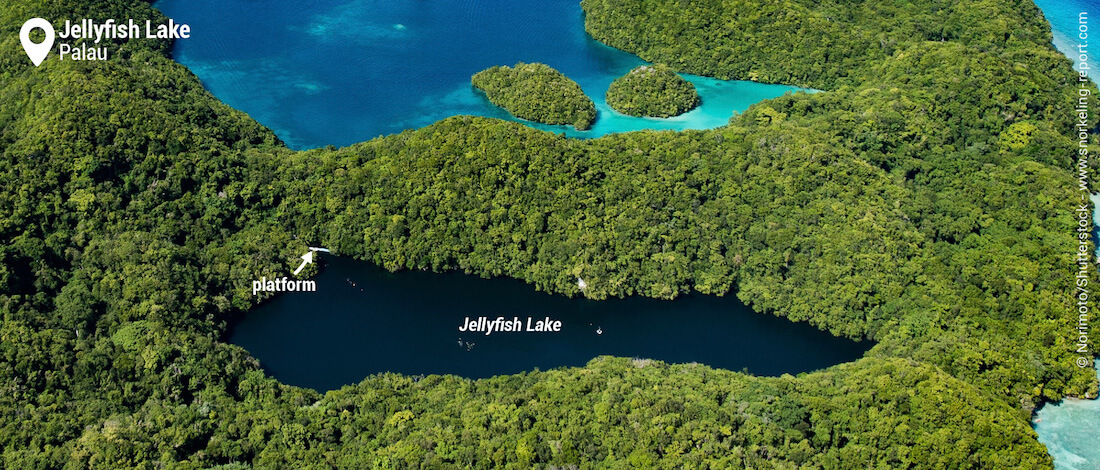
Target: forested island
[[537, 92], [902, 204], [652, 90]]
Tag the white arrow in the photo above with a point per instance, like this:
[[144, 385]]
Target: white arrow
[[306, 259]]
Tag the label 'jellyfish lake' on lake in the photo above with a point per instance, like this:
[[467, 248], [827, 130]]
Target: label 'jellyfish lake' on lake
[[337, 72], [363, 320]]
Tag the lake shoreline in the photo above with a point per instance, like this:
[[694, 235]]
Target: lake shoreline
[[410, 322]]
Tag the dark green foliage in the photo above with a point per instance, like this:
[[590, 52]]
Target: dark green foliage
[[537, 92], [809, 43], [652, 90], [875, 413], [922, 200]]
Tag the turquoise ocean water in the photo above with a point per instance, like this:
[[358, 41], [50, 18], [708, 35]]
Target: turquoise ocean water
[[336, 72], [1065, 22], [1071, 431]]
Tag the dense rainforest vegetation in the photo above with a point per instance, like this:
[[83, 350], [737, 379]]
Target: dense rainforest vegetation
[[652, 90], [537, 92], [923, 200]]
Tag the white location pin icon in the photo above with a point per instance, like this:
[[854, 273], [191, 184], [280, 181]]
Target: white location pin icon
[[37, 52]]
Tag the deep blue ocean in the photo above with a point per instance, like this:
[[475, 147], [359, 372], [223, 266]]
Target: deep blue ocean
[[336, 72]]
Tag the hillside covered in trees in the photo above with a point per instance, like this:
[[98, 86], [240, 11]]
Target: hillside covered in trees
[[537, 92], [652, 90], [921, 200]]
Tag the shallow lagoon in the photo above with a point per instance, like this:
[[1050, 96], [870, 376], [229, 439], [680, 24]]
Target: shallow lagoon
[[336, 72], [1070, 429]]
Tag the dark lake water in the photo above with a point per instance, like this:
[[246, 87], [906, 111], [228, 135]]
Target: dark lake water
[[336, 72], [363, 320]]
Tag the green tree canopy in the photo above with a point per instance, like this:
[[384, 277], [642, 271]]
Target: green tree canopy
[[652, 90], [537, 92]]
